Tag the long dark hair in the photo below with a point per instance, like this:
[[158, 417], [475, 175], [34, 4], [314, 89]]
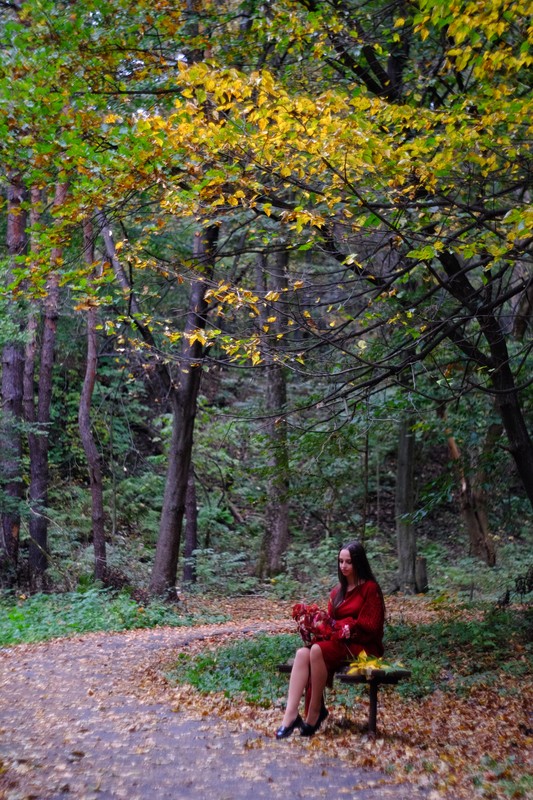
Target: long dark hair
[[361, 568]]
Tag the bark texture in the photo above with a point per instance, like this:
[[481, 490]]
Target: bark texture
[[276, 536], [11, 485], [92, 453], [405, 529], [473, 505], [191, 530]]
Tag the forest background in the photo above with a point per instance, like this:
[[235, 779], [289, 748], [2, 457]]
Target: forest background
[[267, 287]]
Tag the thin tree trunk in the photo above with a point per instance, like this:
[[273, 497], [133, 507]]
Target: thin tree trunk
[[120, 274], [472, 502], [39, 560], [40, 416], [279, 484], [523, 312], [11, 485], [84, 421], [184, 405], [191, 530], [508, 402], [405, 529], [276, 536]]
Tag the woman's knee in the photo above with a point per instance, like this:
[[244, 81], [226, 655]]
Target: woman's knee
[[316, 652], [302, 654]]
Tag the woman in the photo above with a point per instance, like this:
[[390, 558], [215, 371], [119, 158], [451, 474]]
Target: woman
[[358, 608]]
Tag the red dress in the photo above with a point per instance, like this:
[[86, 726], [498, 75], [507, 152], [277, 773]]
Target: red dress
[[363, 611]]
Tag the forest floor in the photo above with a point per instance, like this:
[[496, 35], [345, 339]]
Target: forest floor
[[95, 717]]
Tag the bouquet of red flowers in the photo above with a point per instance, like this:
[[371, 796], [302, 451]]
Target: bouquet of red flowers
[[314, 624]]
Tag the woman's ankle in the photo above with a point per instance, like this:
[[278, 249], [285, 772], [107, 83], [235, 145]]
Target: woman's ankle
[[289, 716], [312, 717]]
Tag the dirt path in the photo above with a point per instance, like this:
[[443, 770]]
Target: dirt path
[[76, 721]]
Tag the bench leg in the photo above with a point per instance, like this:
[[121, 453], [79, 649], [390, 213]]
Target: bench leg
[[373, 708]]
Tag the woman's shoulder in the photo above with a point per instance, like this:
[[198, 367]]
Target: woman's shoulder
[[370, 587]]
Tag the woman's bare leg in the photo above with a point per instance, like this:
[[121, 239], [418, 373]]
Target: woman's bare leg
[[297, 683], [319, 677]]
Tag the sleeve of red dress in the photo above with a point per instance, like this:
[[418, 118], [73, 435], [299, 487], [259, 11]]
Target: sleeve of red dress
[[369, 623]]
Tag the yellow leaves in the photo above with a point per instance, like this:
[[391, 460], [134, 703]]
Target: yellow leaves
[[143, 125], [198, 335], [352, 259], [366, 663], [272, 297], [301, 217], [233, 200], [86, 304], [246, 349], [172, 336], [236, 297]]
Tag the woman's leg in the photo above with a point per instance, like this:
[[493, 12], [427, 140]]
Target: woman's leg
[[297, 683], [319, 677]]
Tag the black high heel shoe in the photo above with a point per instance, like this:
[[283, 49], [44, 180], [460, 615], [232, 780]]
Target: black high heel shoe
[[285, 730], [310, 730]]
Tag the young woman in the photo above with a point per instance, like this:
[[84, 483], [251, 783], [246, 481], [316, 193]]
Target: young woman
[[357, 606]]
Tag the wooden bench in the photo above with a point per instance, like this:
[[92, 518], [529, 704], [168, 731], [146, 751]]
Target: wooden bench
[[374, 678]]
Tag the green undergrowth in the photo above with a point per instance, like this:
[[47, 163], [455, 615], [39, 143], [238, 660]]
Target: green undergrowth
[[247, 668], [450, 654], [47, 616], [463, 649]]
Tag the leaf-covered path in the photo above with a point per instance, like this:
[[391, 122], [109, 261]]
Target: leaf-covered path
[[93, 717]]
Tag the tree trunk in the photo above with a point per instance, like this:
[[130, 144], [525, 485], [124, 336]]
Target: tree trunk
[[421, 575], [508, 401], [184, 404], [84, 422], [39, 414], [501, 376], [523, 312], [277, 516], [191, 530], [11, 486], [472, 502], [40, 560], [405, 529], [276, 536], [520, 444]]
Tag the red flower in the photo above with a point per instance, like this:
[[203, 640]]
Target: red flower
[[314, 624]]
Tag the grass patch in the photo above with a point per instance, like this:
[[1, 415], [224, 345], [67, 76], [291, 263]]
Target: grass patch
[[47, 616], [246, 668], [460, 651]]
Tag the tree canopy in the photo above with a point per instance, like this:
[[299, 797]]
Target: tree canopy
[[385, 148]]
